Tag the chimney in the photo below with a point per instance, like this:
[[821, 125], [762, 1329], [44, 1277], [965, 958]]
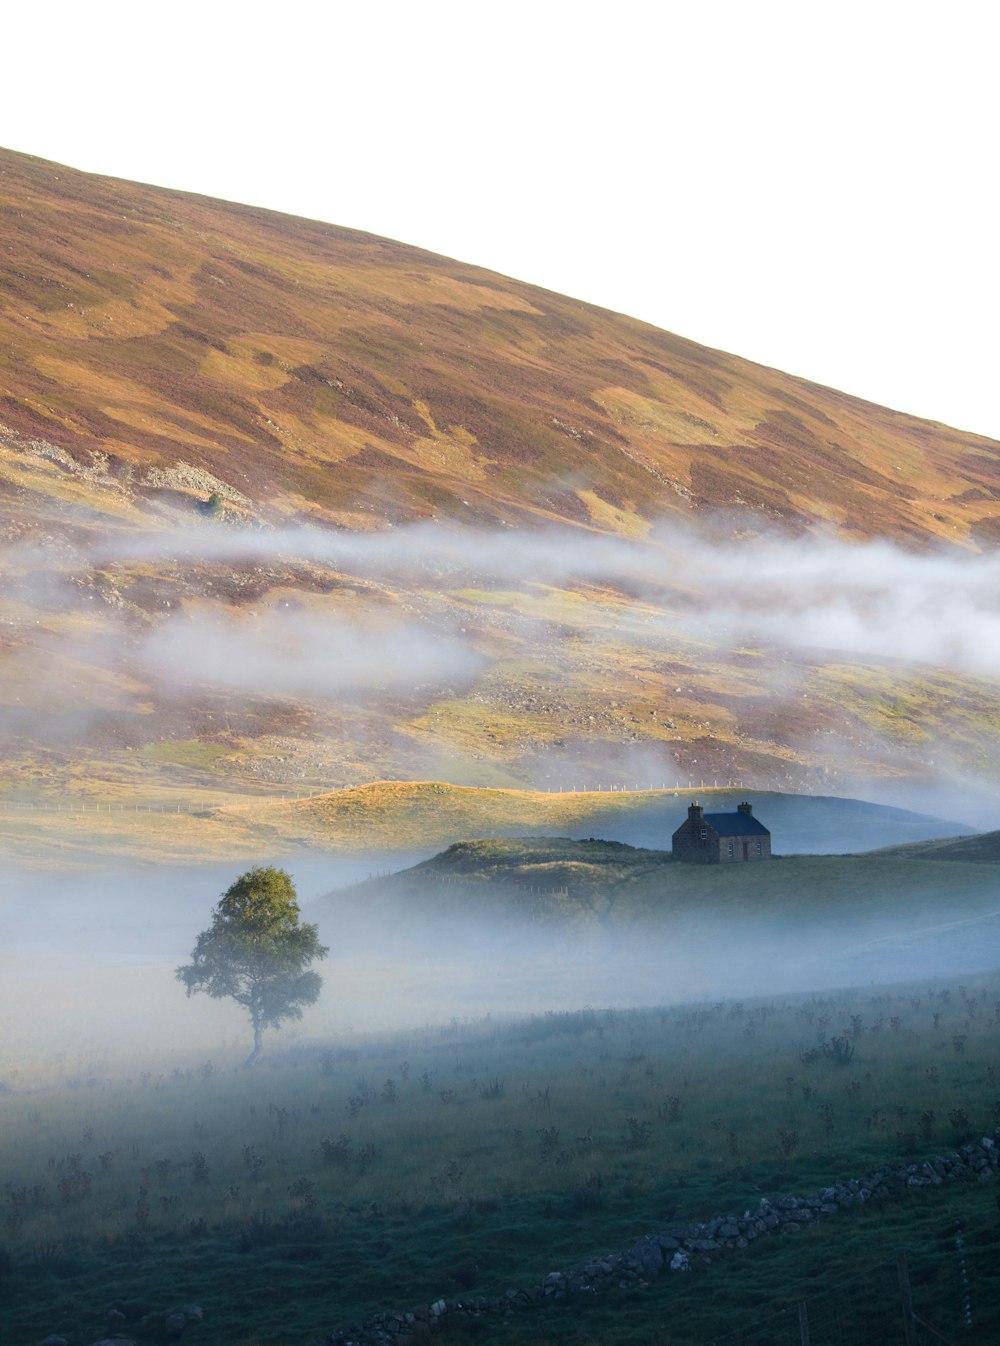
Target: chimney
[[745, 808], [694, 813]]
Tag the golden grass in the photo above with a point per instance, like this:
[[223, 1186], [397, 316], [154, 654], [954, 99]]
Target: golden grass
[[384, 816], [422, 815]]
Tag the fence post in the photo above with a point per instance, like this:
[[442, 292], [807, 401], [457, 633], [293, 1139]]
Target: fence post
[[803, 1323], [906, 1298], [963, 1276]]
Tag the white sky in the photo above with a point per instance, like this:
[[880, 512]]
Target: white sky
[[810, 184]]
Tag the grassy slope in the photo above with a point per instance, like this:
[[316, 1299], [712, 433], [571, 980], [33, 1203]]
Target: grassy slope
[[394, 816], [643, 885], [612, 698], [829, 919], [311, 372], [605, 1126], [978, 850], [154, 326]]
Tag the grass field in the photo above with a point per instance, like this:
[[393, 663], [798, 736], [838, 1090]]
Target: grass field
[[348, 1177]]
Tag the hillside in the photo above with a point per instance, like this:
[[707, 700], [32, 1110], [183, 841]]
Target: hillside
[[149, 327], [977, 850], [422, 814], [793, 923], [394, 818], [483, 469], [637, 884]]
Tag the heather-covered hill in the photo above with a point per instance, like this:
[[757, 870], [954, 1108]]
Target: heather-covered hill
[[286, 506], [320, 372]]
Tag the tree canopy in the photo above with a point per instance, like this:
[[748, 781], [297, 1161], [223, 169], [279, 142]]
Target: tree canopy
[[257, 952]]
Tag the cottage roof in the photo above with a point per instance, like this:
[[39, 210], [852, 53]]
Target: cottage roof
[[736, 825]]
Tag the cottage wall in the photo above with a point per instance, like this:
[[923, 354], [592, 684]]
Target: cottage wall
[[696, 841], [690, 845], [731, 849]]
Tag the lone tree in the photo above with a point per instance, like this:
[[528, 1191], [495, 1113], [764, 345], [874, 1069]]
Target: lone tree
[[257, 953]]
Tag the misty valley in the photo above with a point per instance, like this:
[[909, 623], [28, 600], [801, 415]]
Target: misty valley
[[461, 1161], [529, 1055], [370, 624]]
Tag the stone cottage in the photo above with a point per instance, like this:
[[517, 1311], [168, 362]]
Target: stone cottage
[[721, 838]]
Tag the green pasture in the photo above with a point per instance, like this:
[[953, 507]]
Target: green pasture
[[339, 1179]]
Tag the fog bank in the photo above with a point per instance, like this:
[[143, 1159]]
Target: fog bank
[[87, 971]]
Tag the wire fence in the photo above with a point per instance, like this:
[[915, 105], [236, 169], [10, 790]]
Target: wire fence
[[867, 1313], [947, 1294]]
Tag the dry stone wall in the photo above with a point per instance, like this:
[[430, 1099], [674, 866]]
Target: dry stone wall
[[680, 1249]]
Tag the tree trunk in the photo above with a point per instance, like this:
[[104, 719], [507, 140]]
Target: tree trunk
[[257, 1032]]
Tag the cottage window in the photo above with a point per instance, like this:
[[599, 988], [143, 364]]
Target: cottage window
[[704, 834], [731, 844], [759, 851]]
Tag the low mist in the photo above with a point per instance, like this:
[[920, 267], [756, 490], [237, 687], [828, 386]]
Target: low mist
[[938, 606], [301, 654], [88, 961], [389, 620]]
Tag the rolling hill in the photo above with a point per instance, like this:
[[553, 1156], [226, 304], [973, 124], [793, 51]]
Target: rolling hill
[[316, 371], [983, 849], [187, 384], [793, 923], [416, 815], [396, 820]]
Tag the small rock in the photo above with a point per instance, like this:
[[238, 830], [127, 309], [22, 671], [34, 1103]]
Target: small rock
[[174, 1324], [649, 1254], [130, 1310]]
